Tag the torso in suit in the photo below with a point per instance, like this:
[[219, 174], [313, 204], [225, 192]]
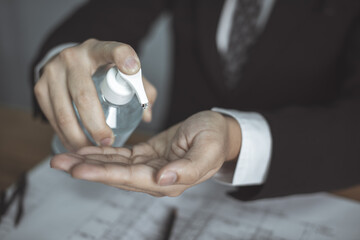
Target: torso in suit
[[302, 75]]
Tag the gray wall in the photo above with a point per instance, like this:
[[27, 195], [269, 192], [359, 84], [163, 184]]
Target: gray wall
[[23, 26]]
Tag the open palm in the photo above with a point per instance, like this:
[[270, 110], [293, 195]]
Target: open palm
[[166, 165]]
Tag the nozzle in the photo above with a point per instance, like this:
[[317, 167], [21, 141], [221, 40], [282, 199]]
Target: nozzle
[[144, 106], [135, 81]]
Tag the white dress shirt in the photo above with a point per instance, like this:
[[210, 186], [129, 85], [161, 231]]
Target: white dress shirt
[[254, 158]]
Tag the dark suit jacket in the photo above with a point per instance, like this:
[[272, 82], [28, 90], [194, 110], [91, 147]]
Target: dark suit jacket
[[302, 74]]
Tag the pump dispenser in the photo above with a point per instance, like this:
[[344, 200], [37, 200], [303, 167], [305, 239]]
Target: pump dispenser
[[122, 98], [118, 88]]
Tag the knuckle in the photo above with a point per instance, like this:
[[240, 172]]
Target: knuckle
[[68, 55], [90, 41], [50, 70], [63, 119], [83, 99], [39, 90]]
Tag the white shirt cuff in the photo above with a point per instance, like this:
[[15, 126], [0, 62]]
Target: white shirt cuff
[[54, 51], [254, 158]]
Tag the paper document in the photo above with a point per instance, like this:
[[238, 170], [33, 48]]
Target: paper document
[[58, 207]]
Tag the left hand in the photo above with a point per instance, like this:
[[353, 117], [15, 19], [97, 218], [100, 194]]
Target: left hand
[[166, 165]]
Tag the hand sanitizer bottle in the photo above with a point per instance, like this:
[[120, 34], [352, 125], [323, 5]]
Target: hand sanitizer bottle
[[122, 98]]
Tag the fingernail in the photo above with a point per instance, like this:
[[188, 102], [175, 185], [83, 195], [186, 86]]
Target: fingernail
[[106, 142], [167, 178], [131, 65]]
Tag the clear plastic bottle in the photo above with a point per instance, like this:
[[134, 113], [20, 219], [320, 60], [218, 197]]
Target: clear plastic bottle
[[122, 98]]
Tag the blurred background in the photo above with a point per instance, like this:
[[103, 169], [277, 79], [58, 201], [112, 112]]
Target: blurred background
[[24, 26]]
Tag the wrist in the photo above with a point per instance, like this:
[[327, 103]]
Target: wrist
[[234, 138]]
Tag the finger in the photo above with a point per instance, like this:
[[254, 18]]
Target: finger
[[124, 56], [107, 158], [43, 98], [203, 157], [103, 173], [151, 93], [138, 176], [85, 97], [65, 117], [66, 161], [100, 168], [104, 150], [140, 153]]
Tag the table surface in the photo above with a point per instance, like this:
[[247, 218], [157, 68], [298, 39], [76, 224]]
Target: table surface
[[25, 141]]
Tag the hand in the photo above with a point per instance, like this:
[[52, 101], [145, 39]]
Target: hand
[[67, 78], [166, 165]]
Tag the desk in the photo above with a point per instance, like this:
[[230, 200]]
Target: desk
[[24, 142]]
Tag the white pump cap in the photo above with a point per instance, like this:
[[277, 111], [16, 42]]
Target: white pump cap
[[135, 81], [119, 88]]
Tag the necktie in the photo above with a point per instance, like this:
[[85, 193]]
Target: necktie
[[242, 35]]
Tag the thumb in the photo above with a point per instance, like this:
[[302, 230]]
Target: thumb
[[122, 55], [201, 161]]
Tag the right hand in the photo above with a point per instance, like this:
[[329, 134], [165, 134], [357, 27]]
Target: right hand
[[66, 78]]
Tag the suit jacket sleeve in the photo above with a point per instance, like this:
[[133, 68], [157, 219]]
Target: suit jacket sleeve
[[125, 21], [316, 147]]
